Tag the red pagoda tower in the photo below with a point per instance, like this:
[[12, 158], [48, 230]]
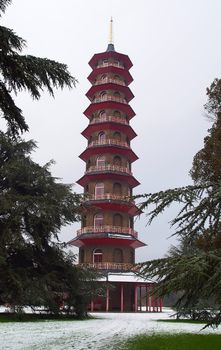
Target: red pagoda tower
[[107, 239]]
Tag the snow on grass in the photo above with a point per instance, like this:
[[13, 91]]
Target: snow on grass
[[106, 331]]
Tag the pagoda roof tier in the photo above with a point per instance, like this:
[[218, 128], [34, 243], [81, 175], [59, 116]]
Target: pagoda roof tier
[[124, 128], [101, 105], [113, 202], [110, 69], [106, 239], [110, 54], [109, 85], [108, 148], [100, 176]]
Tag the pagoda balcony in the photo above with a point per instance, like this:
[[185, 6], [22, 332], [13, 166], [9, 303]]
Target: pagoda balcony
[[108, 146], [107, 98], [110, 196], [110, 84], [125, 74], [106, 175], [109, 266], [113, 201], [109, 118], [111, 142], [110, 64], [109, 80], [108, 229], [108, 104], [109, 123], [108, 167]]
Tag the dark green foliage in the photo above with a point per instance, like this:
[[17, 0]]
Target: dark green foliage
[[213, 106], [34, 269], [36, 317], [195, 266], [200, 204]]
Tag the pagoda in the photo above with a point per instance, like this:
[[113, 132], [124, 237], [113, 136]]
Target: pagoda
[[107, 239]]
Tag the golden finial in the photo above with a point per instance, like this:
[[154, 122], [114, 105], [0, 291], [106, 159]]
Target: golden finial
[[111, 31]]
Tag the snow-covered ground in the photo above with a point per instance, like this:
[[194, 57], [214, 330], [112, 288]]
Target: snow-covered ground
[[104, 332]]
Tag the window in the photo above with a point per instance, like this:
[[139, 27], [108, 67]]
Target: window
[[118, 255], [103, 77], [117, 114], [81, 253], [117, 189], [117, 136], [132, 256], [117, 94], [101, 137], [97, 255], [103, 94], [117, 160], [116, 62], [99, 190], [102, 114], [98, 220], [118, 220], [100, 161]]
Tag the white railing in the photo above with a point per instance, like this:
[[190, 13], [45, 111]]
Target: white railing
[[109, 266], [109, 80], [111, 196], [106, 98], [108, 167], [109, 118], [108, 142], [108, 229], [108, 64]]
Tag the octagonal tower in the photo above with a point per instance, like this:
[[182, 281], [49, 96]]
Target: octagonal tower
[[107, 239]]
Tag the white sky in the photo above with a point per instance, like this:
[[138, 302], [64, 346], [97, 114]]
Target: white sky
[[175, 48]]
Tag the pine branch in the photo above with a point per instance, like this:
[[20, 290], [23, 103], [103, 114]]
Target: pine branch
[[9, 41], [3, 5], [11, 113]]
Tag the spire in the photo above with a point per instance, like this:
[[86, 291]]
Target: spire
[[110, 46], [111, 31]]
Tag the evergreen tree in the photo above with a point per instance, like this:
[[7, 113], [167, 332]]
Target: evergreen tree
[[34, 268], [195, 267]]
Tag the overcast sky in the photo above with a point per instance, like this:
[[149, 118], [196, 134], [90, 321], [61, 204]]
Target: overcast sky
[[175, 48]]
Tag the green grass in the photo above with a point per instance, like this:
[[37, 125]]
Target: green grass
[[16, 317], [174, 342]]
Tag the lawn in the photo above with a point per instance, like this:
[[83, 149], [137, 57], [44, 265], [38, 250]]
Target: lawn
[[27, 317], [174, 342]]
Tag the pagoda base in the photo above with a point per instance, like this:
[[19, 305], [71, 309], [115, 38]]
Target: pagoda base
[[126, 292]]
